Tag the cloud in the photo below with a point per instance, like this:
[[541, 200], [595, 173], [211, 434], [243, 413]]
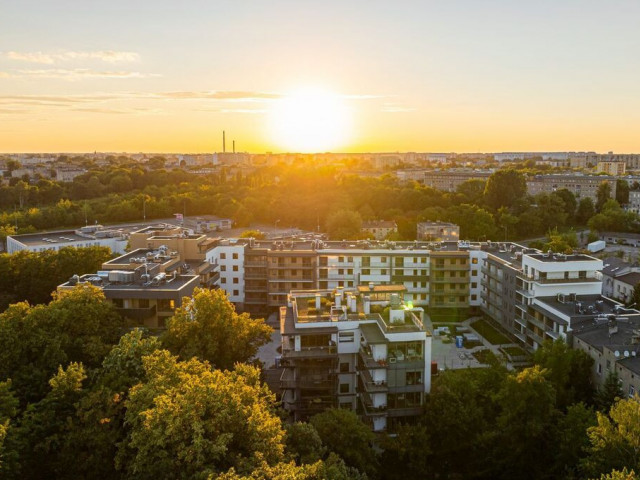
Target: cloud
[[120, 111], [221, 95], [110, 56], [77, 74]]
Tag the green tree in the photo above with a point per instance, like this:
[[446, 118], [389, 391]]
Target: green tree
[[79, 326], [585, 211], [6, 231], [623, 474], [303, 443], [569, 200], [343, 433], [615, 440], [568, 370], [572, 440], [189, 421], [473, 191], [208, 327], [622, 191], [344, 225], [524, 437], [603, 194], [609, 392], [505, 187]]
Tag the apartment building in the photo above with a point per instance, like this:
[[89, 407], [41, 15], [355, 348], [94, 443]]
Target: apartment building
[[582, 186], [145, 285], [363, 349], [450, 180], [611, 168], [613, 342]]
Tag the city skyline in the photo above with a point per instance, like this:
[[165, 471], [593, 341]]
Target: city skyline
[[359, 76]]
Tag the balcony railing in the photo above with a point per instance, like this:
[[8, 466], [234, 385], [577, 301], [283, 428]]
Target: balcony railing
[[310, 352]]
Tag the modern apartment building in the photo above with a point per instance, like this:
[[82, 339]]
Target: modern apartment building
[[363, 349], [379, 229], [145, 285], [90, 236]]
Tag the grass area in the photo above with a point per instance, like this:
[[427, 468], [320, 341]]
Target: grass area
[[514, 351], [448, 314], [485, 356], [488, 331]]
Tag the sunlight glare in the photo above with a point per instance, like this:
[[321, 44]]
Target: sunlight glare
[[310, 121]]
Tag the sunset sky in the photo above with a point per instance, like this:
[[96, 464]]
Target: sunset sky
[[168, 76]]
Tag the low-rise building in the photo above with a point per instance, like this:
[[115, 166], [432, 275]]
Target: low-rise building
[[379, 229], [438, 231], [89, 236], [361, 349], [145, 285]]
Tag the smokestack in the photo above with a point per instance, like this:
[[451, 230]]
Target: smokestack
[[234, 146], [224, 144]]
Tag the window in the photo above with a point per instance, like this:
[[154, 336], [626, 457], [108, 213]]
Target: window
[[340, 259], [383, 271], [474, 260], [143, 303], [632, 390], [349, 284], [341, 271], [236, 293], [383, 259], [474, 285], [350, 259], [223, 256], [223, 268], [474, 297], [423, 260], [235, 256], [344, 367], [223, 280], [344, 388], [599, 369], [350, 271], [474, 273], [346, 337], [235, 279], [366, 271], [235, 268]]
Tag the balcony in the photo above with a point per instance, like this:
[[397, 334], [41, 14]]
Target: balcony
[[370, 386], [138, 314], [311, 352], [369, 409], [367, 360], [552, 281], [405, 411], [313, 382]]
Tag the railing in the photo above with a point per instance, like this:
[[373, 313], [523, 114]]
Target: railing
[[370, 385], [138, 314], [307, 352], [369, 362]]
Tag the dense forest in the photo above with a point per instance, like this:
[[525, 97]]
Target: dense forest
[[81, 396], [305, 196]]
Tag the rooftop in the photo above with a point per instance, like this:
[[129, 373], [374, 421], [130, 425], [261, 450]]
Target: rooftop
[[170, 284], [557, 257]]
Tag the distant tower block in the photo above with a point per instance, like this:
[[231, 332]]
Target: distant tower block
[[234, 146], [224, 145]]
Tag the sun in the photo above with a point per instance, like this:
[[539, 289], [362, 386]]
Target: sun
[[309, 121]]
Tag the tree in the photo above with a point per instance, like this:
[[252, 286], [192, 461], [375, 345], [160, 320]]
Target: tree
[[188, 420], [569, 370], [622, 191], [603, 194], [344, 225], [504, 187], [585, 211], [615, 440], [343, 433], [572, 440], [609, 392], [303, 443], [569, 200], [623, 474], [78, 326], [473, 191], [208, 327], [524, 437], [6, 231]]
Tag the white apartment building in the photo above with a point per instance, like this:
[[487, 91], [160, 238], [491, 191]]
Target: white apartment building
[[90, 236]]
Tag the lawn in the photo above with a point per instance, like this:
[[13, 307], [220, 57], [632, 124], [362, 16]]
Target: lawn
[[514, 351], [489, 332], [485, 356], [448, 314]]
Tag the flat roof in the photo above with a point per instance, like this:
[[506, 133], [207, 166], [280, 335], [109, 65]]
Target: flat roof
[[170, 285], [382, 288], [372, 333], [578, 257]]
